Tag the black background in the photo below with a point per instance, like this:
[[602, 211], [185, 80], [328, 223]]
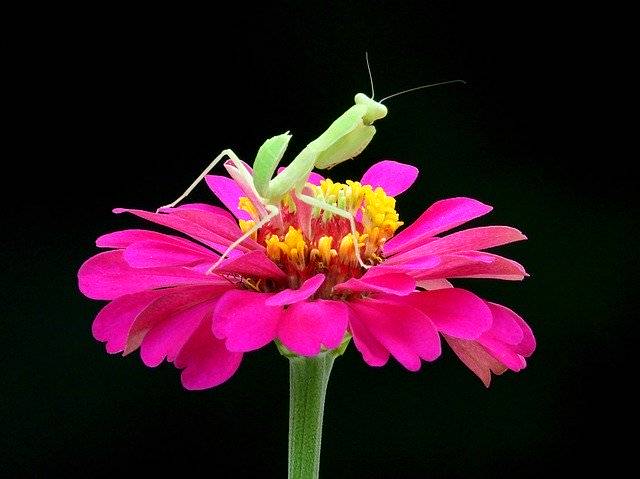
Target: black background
[[112, 108]]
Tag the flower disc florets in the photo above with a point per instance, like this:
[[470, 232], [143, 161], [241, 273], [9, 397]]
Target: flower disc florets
[[305, 241]]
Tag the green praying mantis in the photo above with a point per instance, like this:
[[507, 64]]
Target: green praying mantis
[[345, 138]]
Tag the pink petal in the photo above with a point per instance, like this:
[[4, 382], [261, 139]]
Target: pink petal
[[466, 240], [255, 264], [107, 276], [504, 353], [205, 360], [166, 339], [314, 178], [290, 296], [244, 321], [403, 330], [379, 279], [307, 326], [122, 239], [505, 328], [470, 264], [393, 177], [217, 231], [482, 265], [229, 193], [113, 322], [474, 356], [174, 301], [203, 208], [440, 216], [149, 254], [527, 344], [373, 353], [454, 311], [216, 220]]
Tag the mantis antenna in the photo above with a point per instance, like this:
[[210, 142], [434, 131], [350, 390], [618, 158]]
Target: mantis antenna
[[421, 87], [366, 56]]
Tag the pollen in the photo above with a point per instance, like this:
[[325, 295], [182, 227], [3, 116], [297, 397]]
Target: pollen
[[292, 247], [379, 216], [245, 204], [346, 250], [324, 253], [246, 225]]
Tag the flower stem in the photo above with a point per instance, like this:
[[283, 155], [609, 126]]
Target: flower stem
[[308, 377]]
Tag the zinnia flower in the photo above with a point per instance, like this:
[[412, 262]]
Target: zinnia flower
[[297, 282]]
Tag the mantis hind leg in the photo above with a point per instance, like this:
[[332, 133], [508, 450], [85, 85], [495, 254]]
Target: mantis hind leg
[[273, 211], [310, 200], [225, 153]]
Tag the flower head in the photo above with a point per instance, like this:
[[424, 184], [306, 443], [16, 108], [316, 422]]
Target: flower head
[[297, 281]]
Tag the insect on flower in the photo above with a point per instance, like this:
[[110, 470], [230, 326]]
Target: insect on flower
[[346, 138]]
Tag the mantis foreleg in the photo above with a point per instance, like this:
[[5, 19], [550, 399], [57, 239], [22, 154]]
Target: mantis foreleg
[[225, 153], [310, 200], [273, 212]]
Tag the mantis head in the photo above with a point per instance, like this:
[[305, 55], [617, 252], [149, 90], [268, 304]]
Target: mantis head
[[375, 110]]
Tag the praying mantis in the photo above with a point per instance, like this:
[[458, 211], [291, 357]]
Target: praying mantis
[[345, 138]]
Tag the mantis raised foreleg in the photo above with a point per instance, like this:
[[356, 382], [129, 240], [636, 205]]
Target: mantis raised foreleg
[[225, 153]]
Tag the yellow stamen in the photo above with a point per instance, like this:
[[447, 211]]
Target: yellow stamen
[[246, 225], [245, 204], [293, 247], [377, 217]]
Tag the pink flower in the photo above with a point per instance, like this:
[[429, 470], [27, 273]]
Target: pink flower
[[296, 282]]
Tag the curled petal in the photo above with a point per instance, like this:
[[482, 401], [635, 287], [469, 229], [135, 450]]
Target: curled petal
[[504, 328], [476, 358]]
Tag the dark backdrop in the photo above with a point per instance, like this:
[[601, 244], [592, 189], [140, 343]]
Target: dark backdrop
[[116, 108]]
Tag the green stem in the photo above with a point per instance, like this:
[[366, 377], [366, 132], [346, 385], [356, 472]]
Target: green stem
[[308, 386]]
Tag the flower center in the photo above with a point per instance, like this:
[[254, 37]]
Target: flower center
[[305, 240]]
